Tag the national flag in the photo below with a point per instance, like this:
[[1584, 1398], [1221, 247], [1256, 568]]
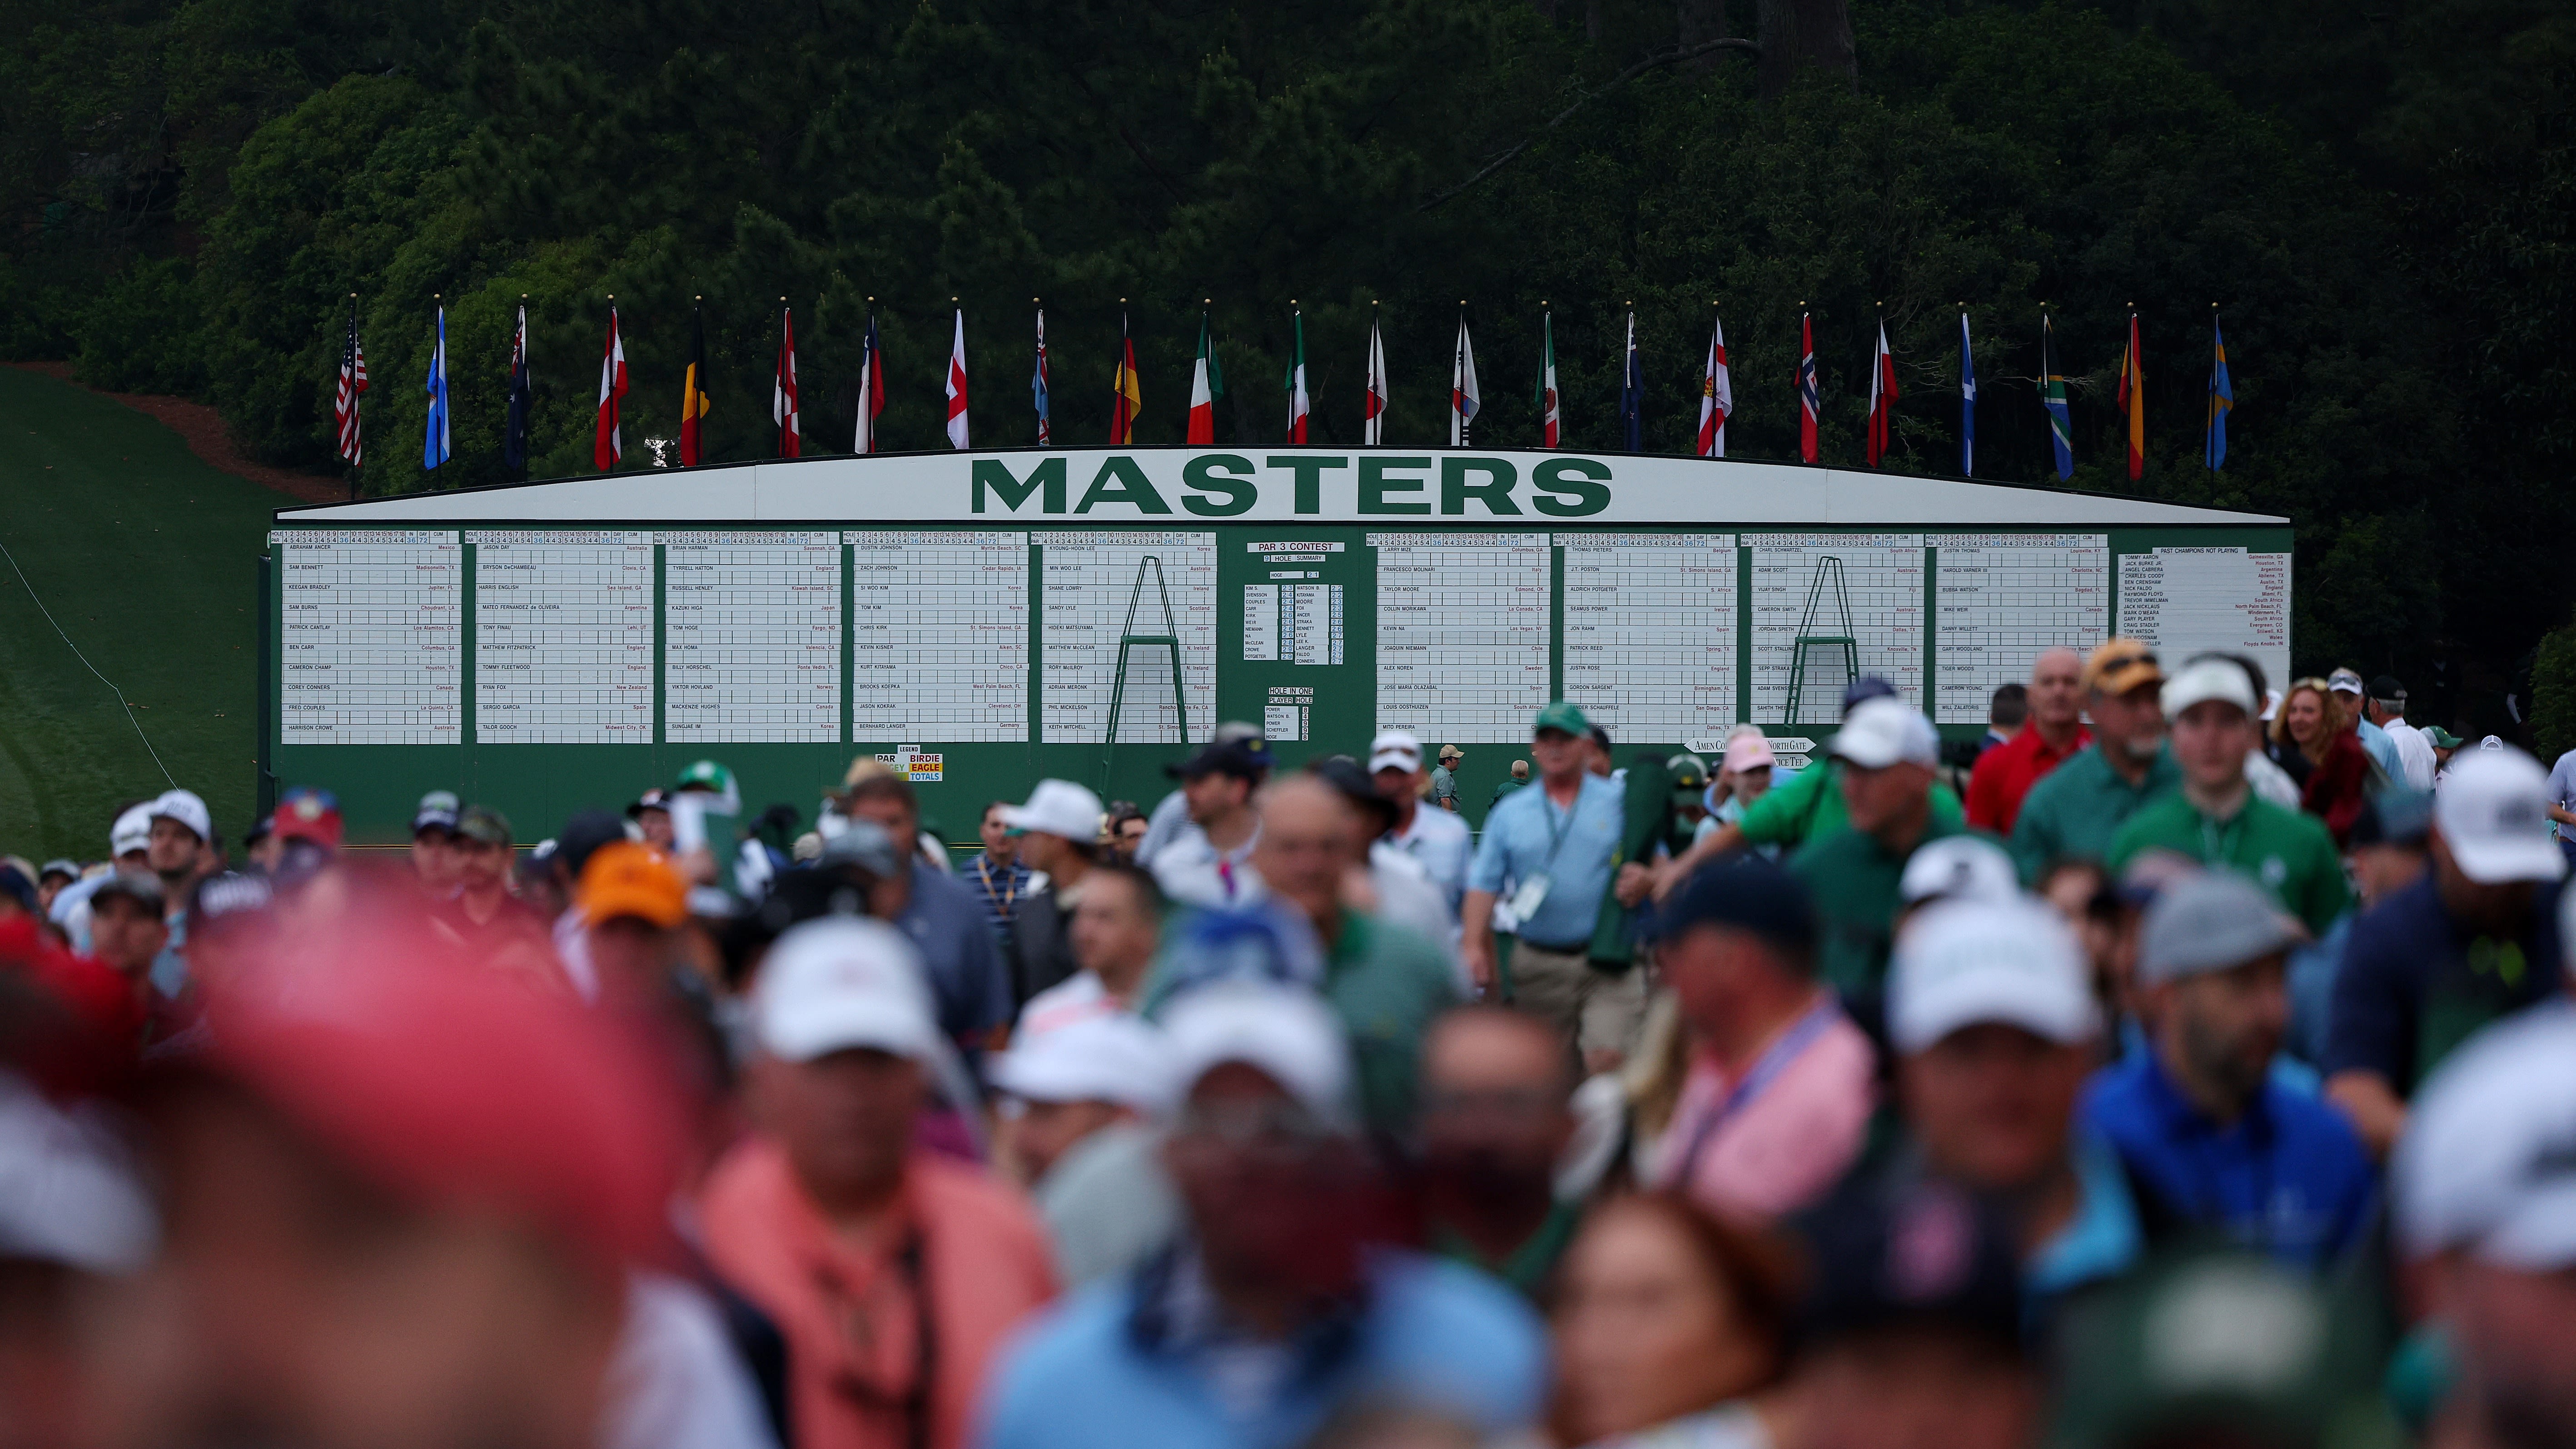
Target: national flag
[[1207, 384], [1373, 408], [353, 381], [2052, 398], [2222, 397], [1464, 400], [957, 385], [1809, 398], [1967, 403], [607, 445], [1882, 396], [1125, 397], [1632, 394], [1547, 411], [693, 393], [1296, 384], [434, 448], [1716, 394], [871, 390], [1038, 386], [783, 399], [514, 432], [2133, 401]]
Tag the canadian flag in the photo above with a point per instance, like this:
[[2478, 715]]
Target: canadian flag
[[957, 385], [607, 447], [1716, 395]]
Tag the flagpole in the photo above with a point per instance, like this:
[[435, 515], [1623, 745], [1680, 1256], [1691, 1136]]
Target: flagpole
[[1458, 379], [351, 365]]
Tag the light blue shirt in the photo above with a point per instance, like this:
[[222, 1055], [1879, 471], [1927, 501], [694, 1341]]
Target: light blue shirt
[[2103, 1239], [2382, 751], [1440, 842], [2562, 793], [1523, 832]]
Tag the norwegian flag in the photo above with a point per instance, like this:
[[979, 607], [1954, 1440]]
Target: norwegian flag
[[353, 381], [1716, 395], [782, 397]]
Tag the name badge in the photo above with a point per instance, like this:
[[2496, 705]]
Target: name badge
[[1525, 901]]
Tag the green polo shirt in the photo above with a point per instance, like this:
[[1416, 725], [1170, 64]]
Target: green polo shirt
[[1809, 806], [1501, 790], [2075, 809], [1528, 1267], [2283, 851], [1854, 881]]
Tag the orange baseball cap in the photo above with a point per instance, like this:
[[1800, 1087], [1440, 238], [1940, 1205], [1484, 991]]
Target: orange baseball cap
[[623, 878], [2121, 665]]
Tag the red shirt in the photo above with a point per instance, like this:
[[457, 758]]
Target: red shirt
[[2005, 774]]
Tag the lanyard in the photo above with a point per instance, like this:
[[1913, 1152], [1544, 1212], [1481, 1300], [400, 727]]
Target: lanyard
[[1010, 893], [1766, 1069], [1556, 833]]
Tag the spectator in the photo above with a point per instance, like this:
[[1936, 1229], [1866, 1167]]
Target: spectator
[[1494, 1123], [2386, 708], [2345, 685], [182, 848], [1807, 807], [1743, 777], [129, 847], [2390, 846], [129, 926], [1389, 885], [2212, 1142], [1444, 779], [1955, 868], [1691, 819], [1557, 841], [2216, 819], [651, 814], [2445, 744], [896, 1273], [2476, 939], [1273, 1312], [1055, 832], [1601, 763], [937, 912], [260, 846], [1885, 755], [51, 877], [1087, 1094], [433, 843], [1781, 1083], [2006, 713], [1212, 866], [996, 872], [2484, 1223], [2074, 812], [1437, 840], [2326, 756], [489, 925], [1516, 779], [1669, 1320], [1995, 1029], [2005, 773], [1170, 819], [2561, 803], [1114, 931], [632, 905], [1127, 826], [583, 832]]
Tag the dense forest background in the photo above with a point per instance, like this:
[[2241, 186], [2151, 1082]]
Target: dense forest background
[[2377, 197]]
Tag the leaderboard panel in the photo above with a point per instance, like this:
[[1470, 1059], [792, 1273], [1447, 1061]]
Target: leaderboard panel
[[2190, 598], [1828, 607], [1463, 624], [751, 637], [370, 637], [563, 637], [1102, 592], [1650, 632], [939, 636], [2004, 597]]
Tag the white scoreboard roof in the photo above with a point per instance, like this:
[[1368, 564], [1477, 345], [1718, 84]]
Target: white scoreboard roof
[[1303, 485]]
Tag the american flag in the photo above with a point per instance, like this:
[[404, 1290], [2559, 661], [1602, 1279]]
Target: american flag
[[353, 381]]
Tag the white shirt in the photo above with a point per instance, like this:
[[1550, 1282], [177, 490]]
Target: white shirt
[[1078, 997], [2269, 781], [2414, 753], [1441, 844], [1193, 872], [675, 1381]]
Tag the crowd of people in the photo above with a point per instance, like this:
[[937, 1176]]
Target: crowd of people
[[2191, 1067]]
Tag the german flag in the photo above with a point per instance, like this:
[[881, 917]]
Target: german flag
[[693, 393], [1126, 399]]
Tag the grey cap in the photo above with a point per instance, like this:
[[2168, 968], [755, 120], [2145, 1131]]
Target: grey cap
[[2211, 920], [69, 868], [137, 885], [864, 844]]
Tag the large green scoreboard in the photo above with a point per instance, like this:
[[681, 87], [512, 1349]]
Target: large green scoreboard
[[982, 620]]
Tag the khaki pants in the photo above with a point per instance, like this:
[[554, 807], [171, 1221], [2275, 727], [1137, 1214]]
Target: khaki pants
[[1596, 1012]]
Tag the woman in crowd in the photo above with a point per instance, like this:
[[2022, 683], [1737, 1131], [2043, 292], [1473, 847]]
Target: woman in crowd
[[2316, 733], [1667, 1321]]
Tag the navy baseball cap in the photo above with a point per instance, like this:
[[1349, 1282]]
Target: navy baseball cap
[[1867, 687], [1245, 759], [1748, 893]]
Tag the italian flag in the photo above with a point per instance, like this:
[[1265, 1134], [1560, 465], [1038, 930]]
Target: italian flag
[[1207, 384], [1547, 380], [1296, 386]]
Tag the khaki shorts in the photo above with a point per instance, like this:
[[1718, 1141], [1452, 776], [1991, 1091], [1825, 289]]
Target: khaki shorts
[[1596, 1012]]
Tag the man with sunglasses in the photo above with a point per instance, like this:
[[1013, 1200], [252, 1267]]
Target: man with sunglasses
[[2075, 809]]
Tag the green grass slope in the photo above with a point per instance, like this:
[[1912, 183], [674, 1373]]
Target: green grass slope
[[146, 559]]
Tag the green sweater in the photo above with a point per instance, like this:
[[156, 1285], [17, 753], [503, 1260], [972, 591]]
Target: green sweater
[[2075, 809], [1809, 806], [1854, 881], [2283, 851]]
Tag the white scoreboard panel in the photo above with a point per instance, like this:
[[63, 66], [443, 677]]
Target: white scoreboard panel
[[751, 637], [563, 637], [1462, 634], [1101, 587], [1864, 587], [2004, 597], [371, 637], [939, 636], [1650, 632]]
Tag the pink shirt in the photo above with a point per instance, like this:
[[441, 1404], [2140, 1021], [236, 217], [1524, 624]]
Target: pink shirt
[[1778, 1147]]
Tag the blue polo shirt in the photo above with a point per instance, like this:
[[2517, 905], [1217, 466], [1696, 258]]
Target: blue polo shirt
[[1528, 836], [2289, 1178], [947, 923]]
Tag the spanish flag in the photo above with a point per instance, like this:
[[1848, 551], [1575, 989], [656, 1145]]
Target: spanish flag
[[2133, 401], [1122, 383], [693, 393]]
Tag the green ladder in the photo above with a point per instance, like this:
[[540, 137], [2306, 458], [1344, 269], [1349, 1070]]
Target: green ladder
[[1128, 639], [1808, 641]]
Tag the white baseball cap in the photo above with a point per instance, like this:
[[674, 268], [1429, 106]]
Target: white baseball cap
[[68, 1192], [132, 831], [1959, 868], [1115, 1058], [1057, 807], [1289, 1035], [1883, 731], [842, 982], [1394, 750], [185, 807], [1968, 962], [2488, 1159], [2207, 679], [2343, 681], [2493, 813]]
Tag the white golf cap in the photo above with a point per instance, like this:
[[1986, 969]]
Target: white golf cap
[[1395, 750], [1883, 731], [184, 807], [1117, 1058], [1288, 1035], [68, 1192], [1966, 963], [2488, 1159], [2493, 813], [1057, 807], [2206, 679], [132, 832], [843, 982], [1959, 868], [2343, 681]]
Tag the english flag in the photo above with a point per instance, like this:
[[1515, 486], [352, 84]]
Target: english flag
[[782, 396], [1296, 385], [1882, 395], [1463, 399], [1373, 408], [1547, 415], [353, 381], [1207, 384], [2133, 400], [871, 390], [1808, 397], [606, 445], [1716, 394], [957, 385]]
